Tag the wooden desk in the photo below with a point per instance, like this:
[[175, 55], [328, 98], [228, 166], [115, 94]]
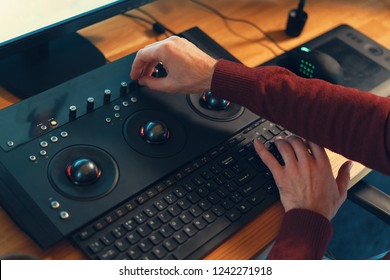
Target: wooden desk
[[121, 35]]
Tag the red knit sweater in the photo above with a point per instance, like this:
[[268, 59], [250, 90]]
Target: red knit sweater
[[344, 120]]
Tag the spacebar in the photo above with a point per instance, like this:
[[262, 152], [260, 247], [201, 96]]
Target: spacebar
[[201, 238]]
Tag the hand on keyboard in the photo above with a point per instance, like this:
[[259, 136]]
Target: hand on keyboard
[[306, 181]]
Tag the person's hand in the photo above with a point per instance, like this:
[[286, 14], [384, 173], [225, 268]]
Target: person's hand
[[306, 180], [189, 70]]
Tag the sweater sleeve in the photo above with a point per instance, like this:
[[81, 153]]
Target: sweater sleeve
[[303, 235], [344, 120]]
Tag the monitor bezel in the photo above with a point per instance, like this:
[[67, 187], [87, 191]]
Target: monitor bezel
[[63, 28]]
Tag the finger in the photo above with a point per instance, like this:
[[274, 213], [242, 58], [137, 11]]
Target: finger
[[343, 178], [317, 151], [268, 158], [143, 58], [285, 150], [301, 149], [149, 69]]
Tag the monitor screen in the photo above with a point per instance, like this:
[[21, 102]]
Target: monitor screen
[[40, 47]]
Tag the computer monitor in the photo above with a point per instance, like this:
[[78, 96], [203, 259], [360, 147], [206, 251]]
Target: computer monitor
[[39, 46]]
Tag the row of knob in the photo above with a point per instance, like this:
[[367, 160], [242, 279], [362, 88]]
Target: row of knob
[[124, 87]]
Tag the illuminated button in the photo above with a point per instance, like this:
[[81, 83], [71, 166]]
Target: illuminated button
[[117, 115], [125, 103], [134, 99], [117, 108], [44, 144], [64, 134], [108, 120], [42, 152], [64, 215], [54, 139], [53, 123], [43, 127], [10, 143], [33, 158], [55, 204]]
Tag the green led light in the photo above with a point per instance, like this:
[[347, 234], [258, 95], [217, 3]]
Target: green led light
[[305, 49]]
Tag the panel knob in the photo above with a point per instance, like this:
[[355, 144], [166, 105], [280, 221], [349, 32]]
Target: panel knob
[[72, 113], [107, 96], [90, 104], [123, 89]]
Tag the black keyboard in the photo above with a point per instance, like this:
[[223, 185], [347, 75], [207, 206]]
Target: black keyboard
[[191, 211]]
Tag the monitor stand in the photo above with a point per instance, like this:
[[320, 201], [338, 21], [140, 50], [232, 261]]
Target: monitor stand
[[29, 73]]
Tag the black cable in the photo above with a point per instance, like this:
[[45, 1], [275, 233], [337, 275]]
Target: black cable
[[243, 21], [157, 26], [156, 21], [139, 18]]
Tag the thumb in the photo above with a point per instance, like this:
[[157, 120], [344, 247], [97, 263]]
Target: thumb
[[343, 177]]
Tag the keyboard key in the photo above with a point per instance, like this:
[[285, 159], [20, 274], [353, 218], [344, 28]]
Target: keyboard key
[[154, 223], [204, 204], [179, 191], [174, 210], [100, 225], [122, 245], [170, 244], [86, 233], [118, 232], [186, 217], [196, 211], [244, 207], [160, 252], [134, 253], [164, 216], [170, 198], [257, 197], [200, 223], [156, 238], [244, 177], [202, 192], [108, 254], [233, 215], [176, 224], [190, 230], [218, 210], [96, 246], [180, 237], [140, 218], [209, 217], [161, 205], [107, 239], [151, 211], [145, 245], [133, 237], [184, 204], [166, 231], [206, 234], [144, 230]]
